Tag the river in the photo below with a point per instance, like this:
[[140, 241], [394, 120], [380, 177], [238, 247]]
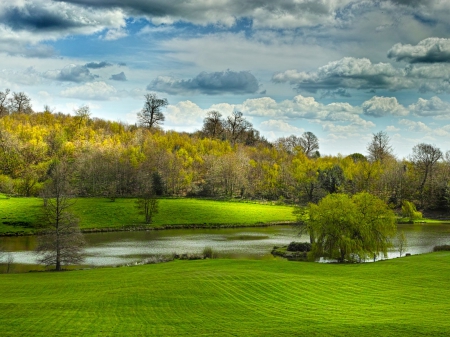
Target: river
[[118, 248]]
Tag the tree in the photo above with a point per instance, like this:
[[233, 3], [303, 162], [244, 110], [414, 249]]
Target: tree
[[62, 241], [424, 157], [213, 125], [309, 144], [20, 103], [331, 179], [4, 106], [379, 148], [82, 115], [409, 211], [151, 116], [147, 202], [350, 229], [236, 126], [402, 243]]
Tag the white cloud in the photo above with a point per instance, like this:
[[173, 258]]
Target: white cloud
[[184, 113], [434, 107], [392, 128], [430, 50], [383, 106], [92, 90], [415, 126], [280, 126]]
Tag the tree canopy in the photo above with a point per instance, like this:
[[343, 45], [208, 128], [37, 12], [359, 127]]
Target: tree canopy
[[349, 229]]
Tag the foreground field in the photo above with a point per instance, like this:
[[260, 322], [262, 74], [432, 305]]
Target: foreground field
[[401, 297], [21, 215]]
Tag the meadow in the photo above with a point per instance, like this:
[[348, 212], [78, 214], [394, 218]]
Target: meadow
[[399, 297], [21, 215]]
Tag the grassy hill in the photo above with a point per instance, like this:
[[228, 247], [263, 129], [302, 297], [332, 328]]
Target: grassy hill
[[400, 297], [21, 215]]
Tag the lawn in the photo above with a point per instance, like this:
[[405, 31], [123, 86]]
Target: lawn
[[400, 297], [22, 214]]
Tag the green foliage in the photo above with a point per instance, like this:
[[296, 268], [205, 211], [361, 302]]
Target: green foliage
[[409, 211], [350, 229], [299, 247], [399, 297]]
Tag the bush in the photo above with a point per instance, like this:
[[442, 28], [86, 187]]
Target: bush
[[209, 253], [441, 248], [299, 247]]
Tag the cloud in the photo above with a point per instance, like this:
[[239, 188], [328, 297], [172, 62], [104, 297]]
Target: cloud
[[392, 128], [94, 91], [242, 82], [353, 128], [280, 126], [415, 126], [349, 72], [26, 23], [184, 113], [97, 65], [114, 34], [276, 14], [430, 50], [118, 77], [300, 107], [71, 73], [383, 106], [434, 107], [361, 73]]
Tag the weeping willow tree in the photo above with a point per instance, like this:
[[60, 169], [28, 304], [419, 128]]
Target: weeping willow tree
[[350, 229]]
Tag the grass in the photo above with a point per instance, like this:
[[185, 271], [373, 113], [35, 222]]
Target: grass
[[20, 215], [400, 297]]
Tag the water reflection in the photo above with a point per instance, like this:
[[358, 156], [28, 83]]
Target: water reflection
[[117, 248]]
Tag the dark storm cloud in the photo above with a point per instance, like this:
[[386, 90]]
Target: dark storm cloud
[[215, 83], [430, 50], [33, 17], [97, 65], [118, 77], [71, 73]]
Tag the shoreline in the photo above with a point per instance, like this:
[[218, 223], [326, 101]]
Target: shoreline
[[164, 227]]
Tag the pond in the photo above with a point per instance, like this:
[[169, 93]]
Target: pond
[[118, 248]]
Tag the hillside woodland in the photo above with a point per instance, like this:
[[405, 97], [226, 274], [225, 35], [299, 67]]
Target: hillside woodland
[[227, 158]]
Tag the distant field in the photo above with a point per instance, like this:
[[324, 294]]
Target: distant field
[[21, 214], [400, 297]]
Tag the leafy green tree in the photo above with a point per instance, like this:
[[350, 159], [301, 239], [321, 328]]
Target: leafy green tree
[[409, 211], [350, 229], [331, 179]]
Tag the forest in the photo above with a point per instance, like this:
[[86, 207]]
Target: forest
[[227, 158]]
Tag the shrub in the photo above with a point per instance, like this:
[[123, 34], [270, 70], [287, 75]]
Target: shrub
[[209, 253], [299, 247], [441, 248]]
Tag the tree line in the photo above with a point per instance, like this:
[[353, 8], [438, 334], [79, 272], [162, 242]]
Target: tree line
[[226, 158]]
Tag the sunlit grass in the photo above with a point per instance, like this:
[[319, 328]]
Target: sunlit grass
[[400, 297], [22, 214]]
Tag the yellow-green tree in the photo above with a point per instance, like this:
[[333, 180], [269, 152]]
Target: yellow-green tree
[[350, 229]]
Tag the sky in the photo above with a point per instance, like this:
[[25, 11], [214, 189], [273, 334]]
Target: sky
[[341, 69]]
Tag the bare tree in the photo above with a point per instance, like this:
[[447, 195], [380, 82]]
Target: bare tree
[[309, 143], [213, 124], [4, 103], [379, 148], [147, 202], [424, 158], [236, 126], [20, 103], [62, 241], [289, 144], [82, 115], [151, 116]]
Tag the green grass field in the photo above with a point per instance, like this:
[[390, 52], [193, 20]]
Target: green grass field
[[400, 297], [21, 214]]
